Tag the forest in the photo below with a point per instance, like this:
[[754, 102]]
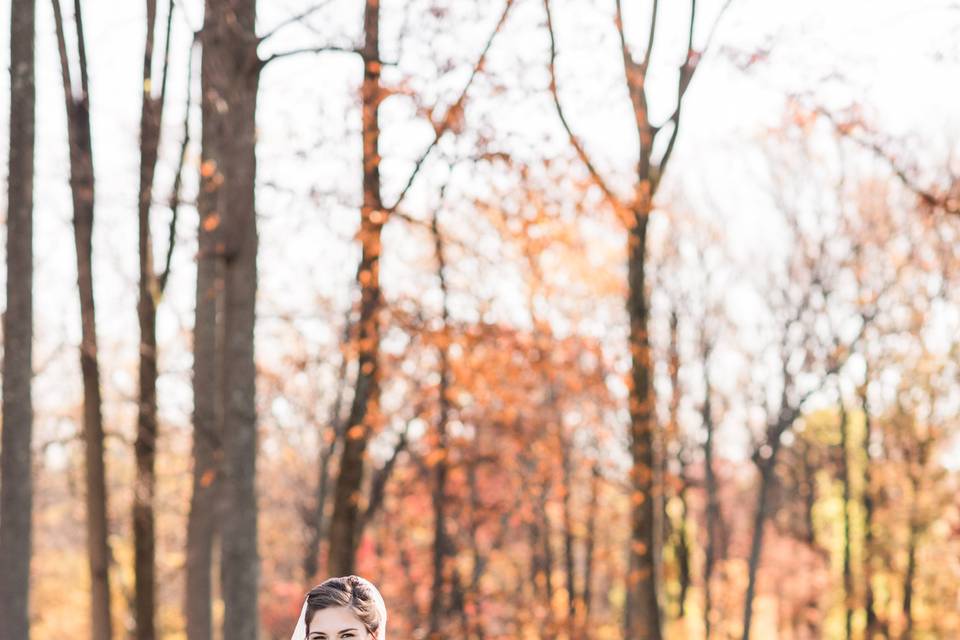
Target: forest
[[555, 319]]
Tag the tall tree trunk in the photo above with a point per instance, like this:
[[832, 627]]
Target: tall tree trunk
[[16, 477], [908, 578], [231, 80], [144, 537], [364, 409], [591, 543], [873, 623], [207, 453], [713, 501], [441, 542], [568, 535], [643, 609], [767, 469], [848, 588], [682, 550], [82, 192]]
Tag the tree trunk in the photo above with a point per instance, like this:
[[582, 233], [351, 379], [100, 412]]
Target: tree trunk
[[873, 623], [441, 542], [591, 542], [713, 502], [202, 525], [568, 535], [363, 411], [643, 610], [767, 468], [144, 537], [907, 605], [82, 192], [848, 588], [231, 78], [16, 478]]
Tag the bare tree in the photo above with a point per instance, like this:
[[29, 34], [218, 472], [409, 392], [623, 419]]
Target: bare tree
[[77, 101], [16, 476], [374, 214], [642, 618]]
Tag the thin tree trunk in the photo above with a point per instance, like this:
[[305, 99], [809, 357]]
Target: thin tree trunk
[[441, 542], [767, 468], [591, 543], [16, 477], [363, 412], [873, 623], [643, 609], [908, 578], [848, 588], [231, 79], [315, 519], [149, 293], [82, 191], [568, 536], [713, 502], [683, 550]]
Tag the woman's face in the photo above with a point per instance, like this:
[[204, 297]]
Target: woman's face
[[336, 623]]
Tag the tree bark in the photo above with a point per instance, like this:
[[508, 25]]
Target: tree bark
[[230, 79], [848, 588], [713, 501], [643, 609], [363, 410], [16, 478], [441, 542], [207, 447], [767, 468], [149, 293], [873, 623], [82, 192]]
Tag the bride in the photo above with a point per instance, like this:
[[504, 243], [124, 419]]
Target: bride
[[341, 609]]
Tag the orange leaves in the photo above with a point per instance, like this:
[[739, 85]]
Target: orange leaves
[[211, 222]]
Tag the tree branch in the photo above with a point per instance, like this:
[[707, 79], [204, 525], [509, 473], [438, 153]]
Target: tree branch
[[455, 110], [611, 197], [294, 52], [303, 15]]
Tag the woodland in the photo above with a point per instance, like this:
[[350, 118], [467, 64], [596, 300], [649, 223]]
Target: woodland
[[555, 319]]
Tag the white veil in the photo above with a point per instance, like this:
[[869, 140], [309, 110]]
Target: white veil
[[300, 631]]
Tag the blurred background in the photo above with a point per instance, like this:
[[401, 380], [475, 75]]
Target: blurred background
[[612, 319]]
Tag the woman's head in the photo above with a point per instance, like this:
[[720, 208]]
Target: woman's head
[[349, 608]]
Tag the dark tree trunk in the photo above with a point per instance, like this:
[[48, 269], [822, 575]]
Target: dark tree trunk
[[848, 588], [873, 623], [591, 543], [16, 478], [682, 551], [441, 542], [767, 470], [643, 609], [713, 501], [344, 525], [144, 537], [568, 535], [202, 523], [230, 79], [907, 604], [82, 191]]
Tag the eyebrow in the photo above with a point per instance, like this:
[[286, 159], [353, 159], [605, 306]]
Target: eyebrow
[[320, 634]]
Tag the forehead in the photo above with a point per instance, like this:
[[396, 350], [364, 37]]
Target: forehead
[[334, 620]]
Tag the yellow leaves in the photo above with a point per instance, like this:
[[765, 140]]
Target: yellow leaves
[[147, 86]]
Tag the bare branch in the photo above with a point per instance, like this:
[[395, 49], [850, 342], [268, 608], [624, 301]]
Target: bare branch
[[455, 110], [175, 199], [687, 69], [62, 50], [294, 52], [611, 197], [303, 15], [81, 50]]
